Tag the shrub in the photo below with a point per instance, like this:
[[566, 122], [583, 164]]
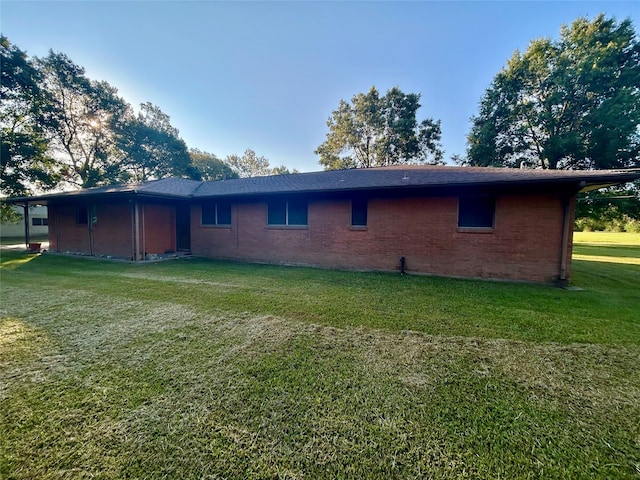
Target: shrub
[[624, 224]]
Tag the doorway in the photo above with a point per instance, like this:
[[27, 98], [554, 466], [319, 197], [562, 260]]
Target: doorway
[[183, 227]]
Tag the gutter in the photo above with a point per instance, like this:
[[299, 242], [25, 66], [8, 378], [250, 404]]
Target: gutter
[[564, 245]]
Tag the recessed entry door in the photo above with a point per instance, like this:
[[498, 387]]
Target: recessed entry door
[[183, 227]]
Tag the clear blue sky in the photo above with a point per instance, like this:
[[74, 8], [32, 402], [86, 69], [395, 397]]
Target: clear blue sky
[[267, 75]]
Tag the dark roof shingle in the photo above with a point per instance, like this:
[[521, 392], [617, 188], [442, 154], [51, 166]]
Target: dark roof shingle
[[383, 178]]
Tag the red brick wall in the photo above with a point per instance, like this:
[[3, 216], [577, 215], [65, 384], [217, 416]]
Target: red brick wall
[[113, 232], [159, 228], [64, 234], [524, 245]]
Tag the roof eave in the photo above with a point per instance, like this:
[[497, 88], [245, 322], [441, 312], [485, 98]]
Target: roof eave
[[71, 197], [574, 184], [570, 184]]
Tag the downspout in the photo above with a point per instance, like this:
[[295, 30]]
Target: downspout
[[567, 230], [564, 256]]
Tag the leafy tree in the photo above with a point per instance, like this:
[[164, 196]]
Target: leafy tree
[[612, 208], [83, 117], [573, 103], [252, 165], [57, 125], [152, 147], [249, 164], [376, 131], [25, 165], [282, 170], [211, 167]]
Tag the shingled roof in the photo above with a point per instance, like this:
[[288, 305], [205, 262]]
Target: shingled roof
[[391, 178], [176, 188], [336, 181]]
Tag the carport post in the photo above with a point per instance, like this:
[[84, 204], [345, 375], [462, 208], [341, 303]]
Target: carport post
[[27, 240]]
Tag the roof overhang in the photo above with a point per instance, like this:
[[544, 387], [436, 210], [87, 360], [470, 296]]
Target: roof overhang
[[431, 181], [84, 196]]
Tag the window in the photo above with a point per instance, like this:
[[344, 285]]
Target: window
[[282, 212], [476, 212], [358, 213], [82, 215], [37, 222], [216, 213]]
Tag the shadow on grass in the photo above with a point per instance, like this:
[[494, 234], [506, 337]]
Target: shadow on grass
[[627, 251]]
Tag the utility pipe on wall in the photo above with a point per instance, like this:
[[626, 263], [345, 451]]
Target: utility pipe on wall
[[564, 254], [567, 230]]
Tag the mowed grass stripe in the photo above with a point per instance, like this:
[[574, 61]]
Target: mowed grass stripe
[[389, 301], [320, 400], [212, 369]]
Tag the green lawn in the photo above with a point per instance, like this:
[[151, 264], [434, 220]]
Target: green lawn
[[205, 369]]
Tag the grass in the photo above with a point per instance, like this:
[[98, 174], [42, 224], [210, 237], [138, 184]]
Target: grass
[[203, 369], [608, 247]]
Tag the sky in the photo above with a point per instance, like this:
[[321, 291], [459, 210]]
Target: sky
[[267, 75]]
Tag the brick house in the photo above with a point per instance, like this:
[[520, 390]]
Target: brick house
[[465, 222]]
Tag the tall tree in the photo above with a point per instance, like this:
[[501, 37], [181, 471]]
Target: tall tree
[[211, 167], [152, 147], [83, 118], [376, 131], [251, 165], [573, 103], [283, 170], [25, 165]]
